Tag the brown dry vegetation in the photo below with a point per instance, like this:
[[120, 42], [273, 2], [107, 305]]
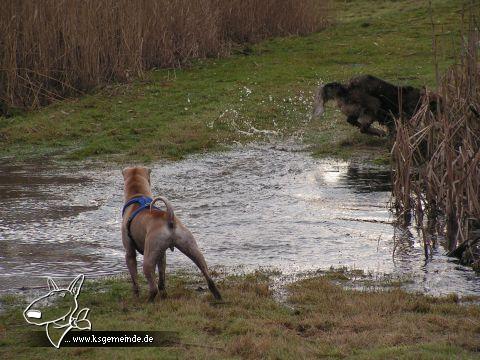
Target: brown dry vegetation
[[436, 157], [54, 49], [320, 319]]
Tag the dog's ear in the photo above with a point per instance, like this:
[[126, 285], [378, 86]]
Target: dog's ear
[[149, 172], [124, 172]]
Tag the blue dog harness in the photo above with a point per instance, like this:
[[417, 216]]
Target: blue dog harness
[[144, 203]]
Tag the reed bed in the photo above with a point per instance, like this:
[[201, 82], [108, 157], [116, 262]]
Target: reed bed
[[54, 49], [436, 158]]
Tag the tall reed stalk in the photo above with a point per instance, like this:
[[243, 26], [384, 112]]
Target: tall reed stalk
[[436, 158]]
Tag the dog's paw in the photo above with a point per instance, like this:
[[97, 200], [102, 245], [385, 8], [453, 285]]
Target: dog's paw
[[151, 296]]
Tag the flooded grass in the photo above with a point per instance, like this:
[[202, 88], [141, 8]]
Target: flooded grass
[[322, 319], [171, 113]]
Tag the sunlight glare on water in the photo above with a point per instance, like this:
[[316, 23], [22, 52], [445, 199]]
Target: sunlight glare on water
[[254, 206]]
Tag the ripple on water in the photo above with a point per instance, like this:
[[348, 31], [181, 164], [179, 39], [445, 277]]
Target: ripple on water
[[252, 206]]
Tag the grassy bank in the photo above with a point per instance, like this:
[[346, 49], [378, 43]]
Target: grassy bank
[[56, 50], [264, 87], [318, 318]]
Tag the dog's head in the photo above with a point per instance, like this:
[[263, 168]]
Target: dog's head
[[139, 171], [325, 93], [137, 180]]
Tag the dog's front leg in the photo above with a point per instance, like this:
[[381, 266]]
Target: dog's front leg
[[353, 120], [131, 260], [366, 127]]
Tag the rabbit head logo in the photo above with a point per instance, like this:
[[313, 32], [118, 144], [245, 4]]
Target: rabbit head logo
[[58, 311]]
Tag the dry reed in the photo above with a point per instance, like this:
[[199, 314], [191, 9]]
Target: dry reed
[[436, 158], [56, 48]]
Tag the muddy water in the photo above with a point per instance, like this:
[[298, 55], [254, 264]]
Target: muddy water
[[254, 206]]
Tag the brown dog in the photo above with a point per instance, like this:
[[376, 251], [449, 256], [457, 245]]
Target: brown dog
[[152, 232]]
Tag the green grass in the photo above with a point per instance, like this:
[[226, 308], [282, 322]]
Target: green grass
[[319, 319], [172, 113]]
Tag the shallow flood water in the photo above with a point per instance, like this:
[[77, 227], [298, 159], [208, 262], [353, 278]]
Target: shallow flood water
[[254, 206]]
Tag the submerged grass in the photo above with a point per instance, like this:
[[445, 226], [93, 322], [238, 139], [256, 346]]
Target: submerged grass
[[322, 320], [268, 86]]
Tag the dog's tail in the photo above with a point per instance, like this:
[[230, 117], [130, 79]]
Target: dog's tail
[[170, 213]]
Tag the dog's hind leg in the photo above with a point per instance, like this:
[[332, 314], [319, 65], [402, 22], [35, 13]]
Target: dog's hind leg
[[149, 262], [161, 265], [131, 260], [185, 242], [156, 244]]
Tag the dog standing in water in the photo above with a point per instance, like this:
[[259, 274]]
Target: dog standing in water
[[365, 99], [151, 231]]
